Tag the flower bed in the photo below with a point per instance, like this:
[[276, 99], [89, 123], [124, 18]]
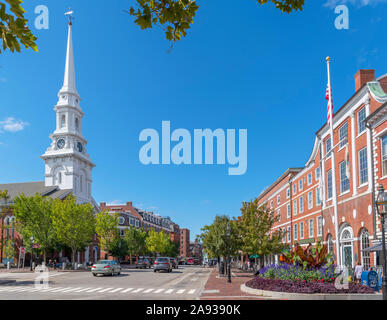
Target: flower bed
[[303, 286]]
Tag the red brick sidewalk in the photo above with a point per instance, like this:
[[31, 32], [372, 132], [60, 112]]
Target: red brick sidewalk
[[217, 288]]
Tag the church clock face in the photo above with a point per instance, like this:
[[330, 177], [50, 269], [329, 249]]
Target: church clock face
[[79, 147], [60, 144]]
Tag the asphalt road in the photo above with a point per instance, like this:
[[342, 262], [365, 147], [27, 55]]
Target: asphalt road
[[184, 283]]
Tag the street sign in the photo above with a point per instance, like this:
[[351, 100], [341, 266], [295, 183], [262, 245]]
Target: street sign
[[36, 246]]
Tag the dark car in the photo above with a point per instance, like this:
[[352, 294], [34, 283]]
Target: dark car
[[175, 263], [143, 263]]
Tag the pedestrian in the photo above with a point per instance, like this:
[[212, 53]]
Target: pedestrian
[[50, 263], [55, 264], [358, 272], [248, 265]]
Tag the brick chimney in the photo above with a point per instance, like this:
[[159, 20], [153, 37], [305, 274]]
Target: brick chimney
[[129, 203], [363, 76], [102, 205]]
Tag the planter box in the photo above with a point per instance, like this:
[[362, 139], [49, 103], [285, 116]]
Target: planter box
[[314, 296]]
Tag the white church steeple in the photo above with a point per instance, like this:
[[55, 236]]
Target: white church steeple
[[67, 165]]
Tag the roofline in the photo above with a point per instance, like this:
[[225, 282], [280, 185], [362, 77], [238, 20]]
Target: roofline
[[287, 172], [373, 114]]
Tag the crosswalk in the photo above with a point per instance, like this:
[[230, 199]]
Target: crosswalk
[[20, 289]]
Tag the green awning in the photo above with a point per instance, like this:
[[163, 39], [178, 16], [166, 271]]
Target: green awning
[[254, 256]]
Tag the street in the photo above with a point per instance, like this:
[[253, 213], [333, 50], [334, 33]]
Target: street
[[184, 283]]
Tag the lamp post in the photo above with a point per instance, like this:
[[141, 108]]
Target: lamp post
[[228, 233], [381, 206], [32, 248]]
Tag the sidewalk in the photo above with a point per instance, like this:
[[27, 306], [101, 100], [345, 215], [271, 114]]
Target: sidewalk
[[217, 288]]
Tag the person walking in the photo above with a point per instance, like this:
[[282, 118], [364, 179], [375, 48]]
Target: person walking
[[358, 272]]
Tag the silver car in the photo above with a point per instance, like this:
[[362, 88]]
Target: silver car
[[162, 263], [106, 267]]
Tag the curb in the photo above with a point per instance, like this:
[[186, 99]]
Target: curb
[[314, 296]]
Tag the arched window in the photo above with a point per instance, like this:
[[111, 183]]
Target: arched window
[[7, 223], [12, 221], [63, 121], [364, 244]]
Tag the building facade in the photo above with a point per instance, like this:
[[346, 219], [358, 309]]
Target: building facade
[[331, 197], [184, 243]]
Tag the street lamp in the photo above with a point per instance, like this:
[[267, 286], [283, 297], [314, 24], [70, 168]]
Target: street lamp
[[381, 206], [228, 234], [32, 248]]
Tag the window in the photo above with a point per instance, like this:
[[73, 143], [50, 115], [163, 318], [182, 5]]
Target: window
[[294, 189], [319, 226], [131, 221], [63, 121], [60, 177], [271, 204], [288, 193], [311, 230], [361, 115], [122, 232], [318, 173], [301, 230], [329, 184], [289, 234], [365, 255], [330, 243], [318, 197], [384, 155], [283, 235], [363, 170], [328, 146], [343, 135], [300, 185], [278, 199], [121, 220], [294, 207], [301, 204], [288, 211], [309, 178], [295, 232], [310, 199], [76, 123], [279, 215], [344, 182]]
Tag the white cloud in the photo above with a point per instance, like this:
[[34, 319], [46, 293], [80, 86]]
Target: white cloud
[[115, 202], [12, 125], [359, 3]]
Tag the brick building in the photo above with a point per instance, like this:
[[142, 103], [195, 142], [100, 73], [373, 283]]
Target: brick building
[[304, 198], [184, 243]]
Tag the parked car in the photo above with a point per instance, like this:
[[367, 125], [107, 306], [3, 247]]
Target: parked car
[[190, 262], [174, 263], [143, 263], [106, 267], [162, 263]]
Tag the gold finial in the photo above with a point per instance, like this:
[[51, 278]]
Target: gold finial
[[328, 59], [70, 14]]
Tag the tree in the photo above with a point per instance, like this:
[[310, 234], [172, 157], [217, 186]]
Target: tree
[[175, 17], [14, 31], [106, 227], [136, 242], [34, 218], [118, 248], [4, 209], [255, 226], [157, 242], [74, 223], [9, 251], [172, 249]]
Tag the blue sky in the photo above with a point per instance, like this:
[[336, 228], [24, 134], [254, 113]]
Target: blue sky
[[240, 67]]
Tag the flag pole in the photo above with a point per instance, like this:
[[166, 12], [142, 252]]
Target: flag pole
[[334, 191]]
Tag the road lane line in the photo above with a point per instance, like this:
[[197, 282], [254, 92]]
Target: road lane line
[[192, 291], [61, 289], [137, 290], [168, 291], [95, 289], [127, 290], [148, 290], [104, 290], [84, 289], [159, 290], [71, 289], [115, 290], [180, 291]]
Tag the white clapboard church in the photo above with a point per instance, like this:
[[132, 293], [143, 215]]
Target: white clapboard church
[[68, 167]]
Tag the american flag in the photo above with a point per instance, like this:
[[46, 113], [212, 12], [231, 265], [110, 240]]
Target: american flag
[[330, 106]]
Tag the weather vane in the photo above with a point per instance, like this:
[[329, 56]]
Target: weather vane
[[70, 14]]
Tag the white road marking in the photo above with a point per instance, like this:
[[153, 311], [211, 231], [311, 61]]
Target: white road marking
[[194, 279], [138, 290], [71, 289], [104, 290], [61, 289], [127, 290], [159, 290], [115, 290], [148, 290], [84, 289], [180, 291], [168, 291], [95, 289], [192, 291]]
